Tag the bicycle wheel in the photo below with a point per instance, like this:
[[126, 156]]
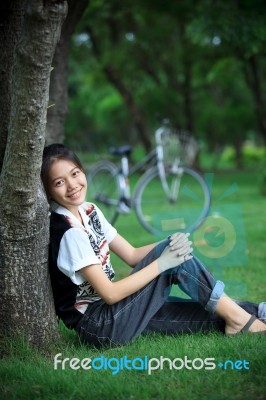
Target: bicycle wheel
[[182, 209], [103, 188]]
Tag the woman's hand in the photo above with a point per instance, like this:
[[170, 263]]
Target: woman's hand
[[177, 240], [178, 251]]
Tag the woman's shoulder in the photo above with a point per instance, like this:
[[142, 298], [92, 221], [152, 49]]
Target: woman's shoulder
[[61, 219], [93, 211], [89, 207], [59, 222]]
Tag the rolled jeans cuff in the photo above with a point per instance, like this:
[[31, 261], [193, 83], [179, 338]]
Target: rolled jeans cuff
[[262, 311], [216, 293]]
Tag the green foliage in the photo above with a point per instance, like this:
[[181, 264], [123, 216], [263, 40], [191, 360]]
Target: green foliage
[[252, 156], [96, 109], [239, 25], [226, 115], [188, 61]]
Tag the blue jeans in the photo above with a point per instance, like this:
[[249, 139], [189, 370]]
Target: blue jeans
[[152, 310]]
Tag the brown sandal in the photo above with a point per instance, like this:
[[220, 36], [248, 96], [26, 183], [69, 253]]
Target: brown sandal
[[249, 323]]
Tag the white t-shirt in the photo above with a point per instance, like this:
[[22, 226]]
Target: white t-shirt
[[82, 245]]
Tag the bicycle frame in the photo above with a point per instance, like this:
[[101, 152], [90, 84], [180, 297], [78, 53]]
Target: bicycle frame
[[124, 172], [155, 157], [162, 168]]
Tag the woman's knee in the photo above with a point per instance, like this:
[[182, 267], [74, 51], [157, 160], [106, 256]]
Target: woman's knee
[[151, 256]]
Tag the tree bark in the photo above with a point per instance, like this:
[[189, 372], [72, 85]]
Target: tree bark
[[10, 26], [26, 298], [58, 96]]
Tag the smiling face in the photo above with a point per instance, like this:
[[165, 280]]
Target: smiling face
[[67, 185]]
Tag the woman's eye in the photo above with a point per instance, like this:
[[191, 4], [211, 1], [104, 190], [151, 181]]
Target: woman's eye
[[59, 183], [76, 172]]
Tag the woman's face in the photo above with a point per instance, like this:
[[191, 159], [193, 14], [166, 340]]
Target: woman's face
[[67, 184]]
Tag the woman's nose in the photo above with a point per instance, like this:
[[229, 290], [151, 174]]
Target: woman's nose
[[70, 184]]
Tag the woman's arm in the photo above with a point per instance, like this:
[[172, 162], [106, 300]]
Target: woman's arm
[[128, 253], [112, 292]]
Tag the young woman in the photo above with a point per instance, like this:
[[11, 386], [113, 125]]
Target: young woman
[[108, 312]]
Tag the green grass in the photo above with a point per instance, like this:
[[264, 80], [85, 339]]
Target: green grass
[[27, 374]]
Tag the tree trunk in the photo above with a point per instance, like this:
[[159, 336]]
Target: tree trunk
[[254, 82], [258, 97], [58, 96], [26, 298], [238, 152], [187, 93], [132, 107], [115, 79], [10, 27]]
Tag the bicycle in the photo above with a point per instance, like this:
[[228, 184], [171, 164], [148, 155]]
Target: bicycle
[[168, 196]]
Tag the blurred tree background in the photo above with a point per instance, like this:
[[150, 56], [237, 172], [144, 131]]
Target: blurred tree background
[[200, 63]]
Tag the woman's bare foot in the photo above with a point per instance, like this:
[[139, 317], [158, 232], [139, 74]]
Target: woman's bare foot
[[236, 317]]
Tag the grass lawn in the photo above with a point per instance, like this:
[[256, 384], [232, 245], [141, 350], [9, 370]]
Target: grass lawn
[[27, 374]]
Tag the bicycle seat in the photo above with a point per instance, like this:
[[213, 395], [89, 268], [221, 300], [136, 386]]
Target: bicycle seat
[[121, 150]]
